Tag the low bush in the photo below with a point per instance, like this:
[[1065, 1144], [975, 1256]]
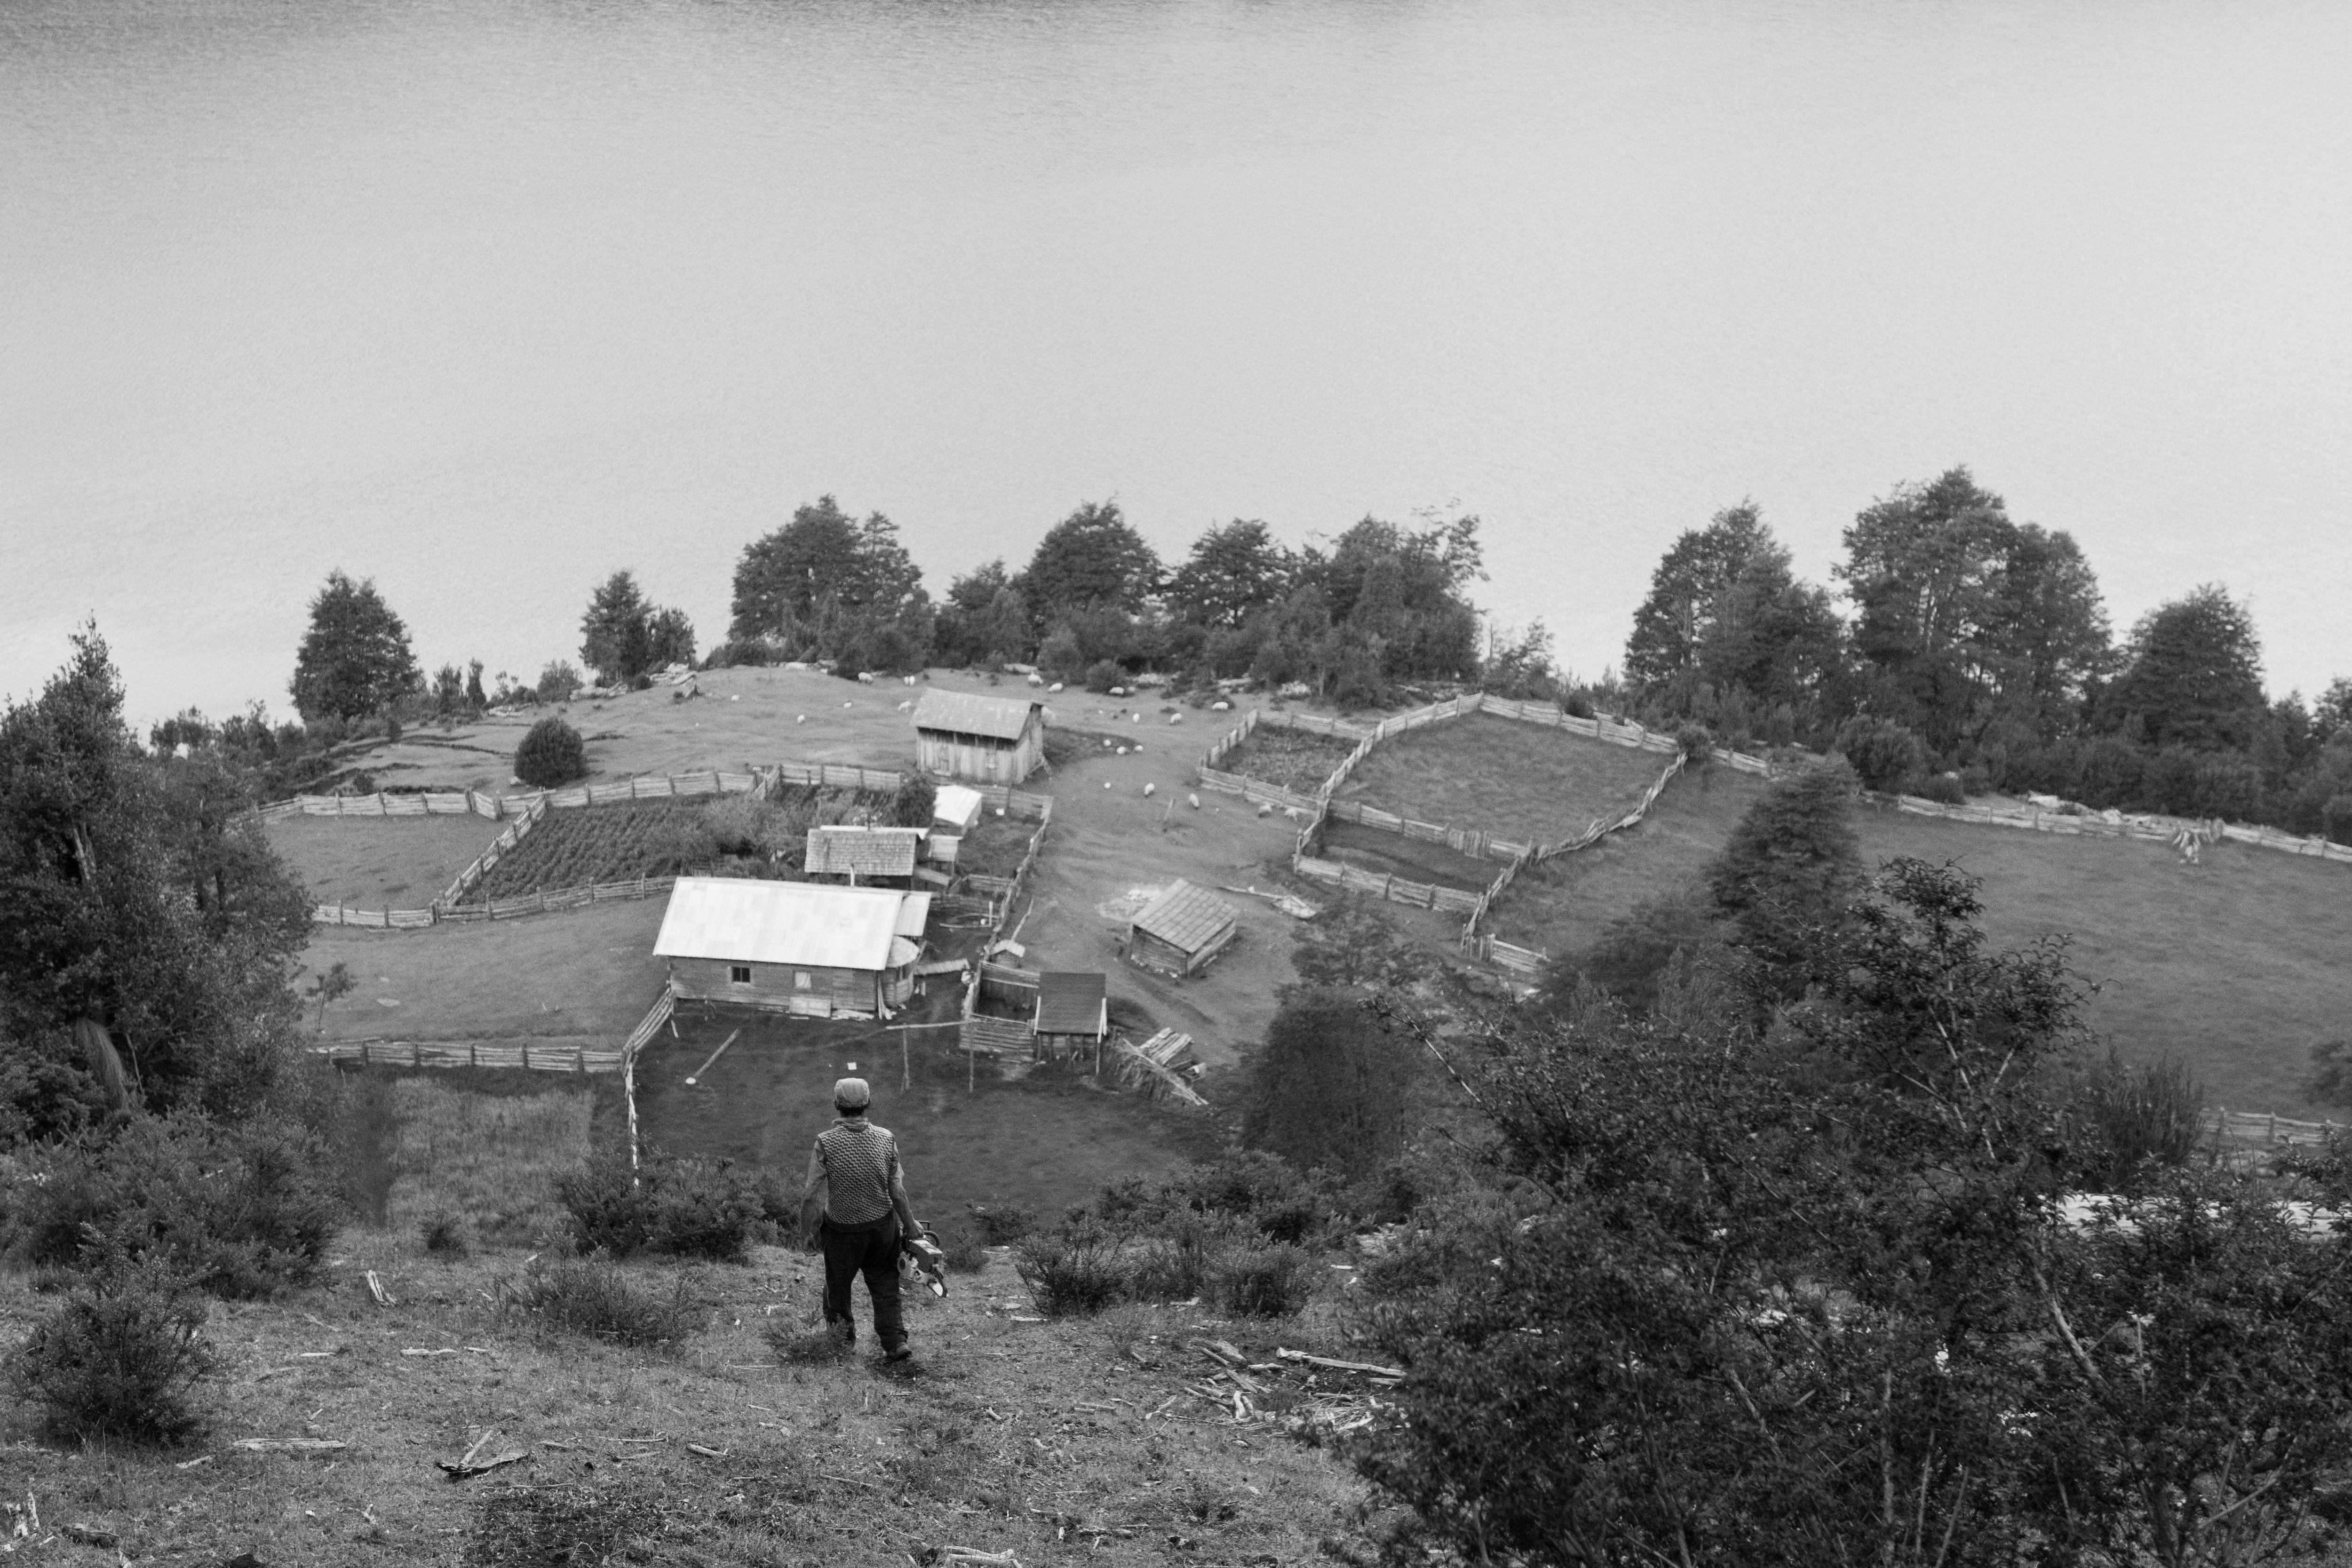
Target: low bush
[[241, 1211], [591, 1296], [2138, 1119], [1000, 1225], [444, 1235], [1265, 1281], [1103, 674], [805, 1342], [552, 755], [1884, 753], [683, 1207], [1073, 1270], [1945, 789], [119, 1361], [965, 1255]]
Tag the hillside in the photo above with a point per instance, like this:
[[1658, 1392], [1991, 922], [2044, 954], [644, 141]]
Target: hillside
[[2235, 965]]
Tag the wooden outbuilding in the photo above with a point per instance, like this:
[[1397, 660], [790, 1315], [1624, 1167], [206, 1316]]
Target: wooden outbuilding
[[806, 948], [1073, 1012], [995, 739], [864, 855], [1181, 929]]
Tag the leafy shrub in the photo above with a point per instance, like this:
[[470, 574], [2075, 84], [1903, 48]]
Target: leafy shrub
[[1945, 789], [591, 1296], [557, 681], [552, 754], [1885, 753], [684, 1207], [1175, 1264], [1103, 674], [1073, 1270], [737, 825], [1000, 1225], [240, 1211], [1261, 1188], [119, 1361], [1265, 1282], [914, 803], [1696, 743], [965, 1255], [807, 1341]]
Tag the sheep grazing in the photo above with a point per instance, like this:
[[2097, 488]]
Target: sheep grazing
[[1105, 784], [904, 706], [1264, 810], [1149, 788], [1193, 801], [802, 718]]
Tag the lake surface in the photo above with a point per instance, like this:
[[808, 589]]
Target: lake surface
[[487, 299]]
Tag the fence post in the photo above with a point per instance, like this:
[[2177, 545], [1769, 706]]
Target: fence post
[[416, 1054], [526, 1053]]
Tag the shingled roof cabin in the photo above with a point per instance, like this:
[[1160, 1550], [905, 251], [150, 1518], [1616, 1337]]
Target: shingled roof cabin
[[995, 739], [1073, 1012], [1181, 929], [799, 947]]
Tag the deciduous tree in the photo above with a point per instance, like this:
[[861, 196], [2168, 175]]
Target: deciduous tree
[[2193, 675], [1092, 557]]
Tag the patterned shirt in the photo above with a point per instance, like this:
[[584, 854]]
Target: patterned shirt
[[859, 1163]]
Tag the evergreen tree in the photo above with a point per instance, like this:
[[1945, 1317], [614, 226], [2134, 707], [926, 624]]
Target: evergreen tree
[[2194, 675], [1235, 571], [1333, 1088], [824, 580], [355, 659], [1788, 871], [1092, 557]]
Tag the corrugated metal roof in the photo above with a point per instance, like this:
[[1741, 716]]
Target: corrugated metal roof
[[746, 922], [958, 806], [1185, 917], [1070, 1003], [865, 851], [914, 915], [969, 714]]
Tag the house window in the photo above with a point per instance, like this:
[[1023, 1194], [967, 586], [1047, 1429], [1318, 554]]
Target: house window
[[800, 980], [740, 973]]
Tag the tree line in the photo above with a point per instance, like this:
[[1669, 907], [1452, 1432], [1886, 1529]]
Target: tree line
[[1974, 652], [1958, 650]]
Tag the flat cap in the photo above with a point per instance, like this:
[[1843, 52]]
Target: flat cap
[[851, 1094]]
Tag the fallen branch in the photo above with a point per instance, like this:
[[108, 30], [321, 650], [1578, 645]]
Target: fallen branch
[[1341, 1365], [429, 1352], [458, 1472], [708, 1452], [290, 1445], [375, 1289]]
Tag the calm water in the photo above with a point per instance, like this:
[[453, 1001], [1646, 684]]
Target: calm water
[[486, 298]]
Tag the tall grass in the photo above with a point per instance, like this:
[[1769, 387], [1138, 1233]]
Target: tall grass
[[493, 1160]]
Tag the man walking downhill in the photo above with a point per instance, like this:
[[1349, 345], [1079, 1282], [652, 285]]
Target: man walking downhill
[[855, 1184]]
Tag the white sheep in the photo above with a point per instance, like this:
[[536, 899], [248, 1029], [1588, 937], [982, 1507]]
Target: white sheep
[[803, 718], [904, 706], [1150, 788], [1193, 801]]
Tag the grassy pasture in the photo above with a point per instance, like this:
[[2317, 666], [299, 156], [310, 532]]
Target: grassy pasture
[[493, 1159], [584, 977], [380, 862], [2236, 966], [1518, 780]]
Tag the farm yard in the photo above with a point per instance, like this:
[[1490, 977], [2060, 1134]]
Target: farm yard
[[1517, 781], [1298, 760], [380, 862]]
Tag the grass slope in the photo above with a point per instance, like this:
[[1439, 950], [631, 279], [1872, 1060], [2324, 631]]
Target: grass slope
[[1063, 1442], [1518, 780], [380, 862], [2236, 966]]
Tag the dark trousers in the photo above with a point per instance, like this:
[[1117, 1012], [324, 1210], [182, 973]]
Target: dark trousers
[[871, 1251]]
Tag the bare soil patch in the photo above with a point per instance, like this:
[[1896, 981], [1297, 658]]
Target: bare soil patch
[[380, 862], [1522, 782]]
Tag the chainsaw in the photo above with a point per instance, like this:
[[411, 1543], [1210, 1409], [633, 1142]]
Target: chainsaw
[[920, 1262]]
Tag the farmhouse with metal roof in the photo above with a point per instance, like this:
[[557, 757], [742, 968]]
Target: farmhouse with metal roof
[[1181, 929], [863, 854], [964, 735], [800, 947]]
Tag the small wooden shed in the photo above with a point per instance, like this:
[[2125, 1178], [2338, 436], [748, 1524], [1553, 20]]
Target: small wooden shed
[[1073, 1012], [798, 947], [1181, 929], [995, 739], [863, 854]]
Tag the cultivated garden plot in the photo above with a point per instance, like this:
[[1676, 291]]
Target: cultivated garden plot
[[380, 862], [2234, 965], [590, 845], [1516, 781], [1297, 760], [1409, 859]]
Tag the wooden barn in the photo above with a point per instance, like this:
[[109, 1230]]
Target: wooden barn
[[1073, 1012], [799, 947], [954, 813], [1181, 929], [864, 855], [995, 739]]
